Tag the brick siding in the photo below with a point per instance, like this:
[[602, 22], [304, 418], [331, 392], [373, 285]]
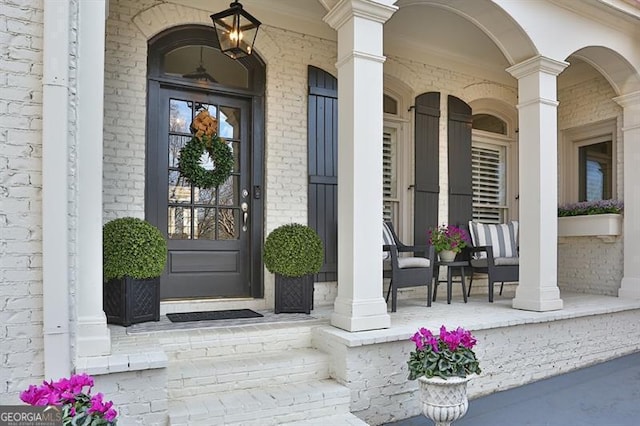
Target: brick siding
[[21, 351]]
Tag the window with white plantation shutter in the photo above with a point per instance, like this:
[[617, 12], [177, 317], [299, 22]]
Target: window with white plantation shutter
[[389, 174], [489, 183]]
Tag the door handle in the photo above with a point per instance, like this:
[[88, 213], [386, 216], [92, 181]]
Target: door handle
[[245, 215]]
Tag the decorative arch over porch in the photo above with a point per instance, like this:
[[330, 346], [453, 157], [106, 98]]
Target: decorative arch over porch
[[498, 25]]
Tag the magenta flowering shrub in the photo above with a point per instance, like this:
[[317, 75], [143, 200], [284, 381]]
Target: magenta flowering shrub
[[448, 238], [79, 407], [448, 354]]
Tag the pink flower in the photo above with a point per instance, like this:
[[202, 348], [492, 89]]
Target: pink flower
[[98, 406]]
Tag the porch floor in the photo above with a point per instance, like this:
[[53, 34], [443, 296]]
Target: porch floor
[[411, 314]]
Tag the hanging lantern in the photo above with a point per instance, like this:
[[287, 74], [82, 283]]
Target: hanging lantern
[[236, 30]]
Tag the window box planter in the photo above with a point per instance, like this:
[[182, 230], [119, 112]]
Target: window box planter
[[598, 225]]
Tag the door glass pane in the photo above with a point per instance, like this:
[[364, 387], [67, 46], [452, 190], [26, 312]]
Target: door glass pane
[[179, 116], [205, 226], [229, 124], [235, 149], [176, 143], [205, 195], [228, 192], [179, 188], [229, 224], [213, 110], [179, 223]]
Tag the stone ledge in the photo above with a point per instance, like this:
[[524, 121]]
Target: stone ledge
[[118, 363], [477, 316]]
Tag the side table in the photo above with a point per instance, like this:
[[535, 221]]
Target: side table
[[450, 269]]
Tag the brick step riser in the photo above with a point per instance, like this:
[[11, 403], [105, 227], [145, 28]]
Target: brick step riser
[[216, 344], [276, 417], [265, 409], [212, 382]]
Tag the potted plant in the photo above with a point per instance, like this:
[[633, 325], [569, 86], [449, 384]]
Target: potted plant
[[77, 406], [294, 252], [601, 218], [448, 240], [135, 254], [443, 364]]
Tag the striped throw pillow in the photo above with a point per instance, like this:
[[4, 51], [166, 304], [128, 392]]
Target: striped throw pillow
[[387, 240], [502, 238]]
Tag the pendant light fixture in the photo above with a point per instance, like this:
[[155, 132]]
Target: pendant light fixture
[[236, 30]]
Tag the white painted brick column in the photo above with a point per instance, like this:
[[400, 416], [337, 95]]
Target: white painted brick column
[[93, 336], [630, 286], [538, 161], [359, 304]]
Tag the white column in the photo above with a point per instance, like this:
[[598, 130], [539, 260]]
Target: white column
[[630, 286], [538, 155], [360, 304], [93, 337]]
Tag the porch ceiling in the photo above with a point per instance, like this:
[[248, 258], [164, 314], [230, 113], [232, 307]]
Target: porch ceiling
[[427, 31], [422, 32]]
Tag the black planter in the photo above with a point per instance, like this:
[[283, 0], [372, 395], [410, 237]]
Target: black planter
[[130, 301], [294, 294]]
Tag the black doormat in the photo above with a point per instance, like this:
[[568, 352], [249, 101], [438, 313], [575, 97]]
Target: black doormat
[[213, 315]]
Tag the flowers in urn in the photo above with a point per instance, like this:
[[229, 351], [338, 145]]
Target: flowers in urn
[[447, 354], [448, 240], [79, 407]]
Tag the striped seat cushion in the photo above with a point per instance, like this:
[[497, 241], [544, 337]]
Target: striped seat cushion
[[387, 240], [502, 238]]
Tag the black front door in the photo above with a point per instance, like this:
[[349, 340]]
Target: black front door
[[208, 230]]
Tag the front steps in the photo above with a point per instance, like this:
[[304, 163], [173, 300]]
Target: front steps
[[264, 374]]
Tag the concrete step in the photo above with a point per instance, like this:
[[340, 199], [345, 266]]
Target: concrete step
[[238, 340], [263, 406], [347, 419], [221, 374]]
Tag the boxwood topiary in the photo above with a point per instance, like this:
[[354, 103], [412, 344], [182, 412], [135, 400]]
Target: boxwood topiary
[[133, 247], [293, 250]]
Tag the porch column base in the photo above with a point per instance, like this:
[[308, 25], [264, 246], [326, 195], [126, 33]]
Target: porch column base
[[361, 315], [545, 300], [93, 338], [630, 288]]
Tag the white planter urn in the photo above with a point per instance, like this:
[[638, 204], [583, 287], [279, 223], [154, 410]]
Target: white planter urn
[[447, 255], [444, 401]]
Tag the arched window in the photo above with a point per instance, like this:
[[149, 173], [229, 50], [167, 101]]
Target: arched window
[[489, 168]]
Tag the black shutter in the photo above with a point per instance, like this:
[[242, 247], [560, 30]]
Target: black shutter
[[459, 149], [322, 135], [427, 170]]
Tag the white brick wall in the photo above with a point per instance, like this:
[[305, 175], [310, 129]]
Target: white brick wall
[[509, 357], [21, 350], [586, 103], [140, 397], [124, 111], [590, 265]]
